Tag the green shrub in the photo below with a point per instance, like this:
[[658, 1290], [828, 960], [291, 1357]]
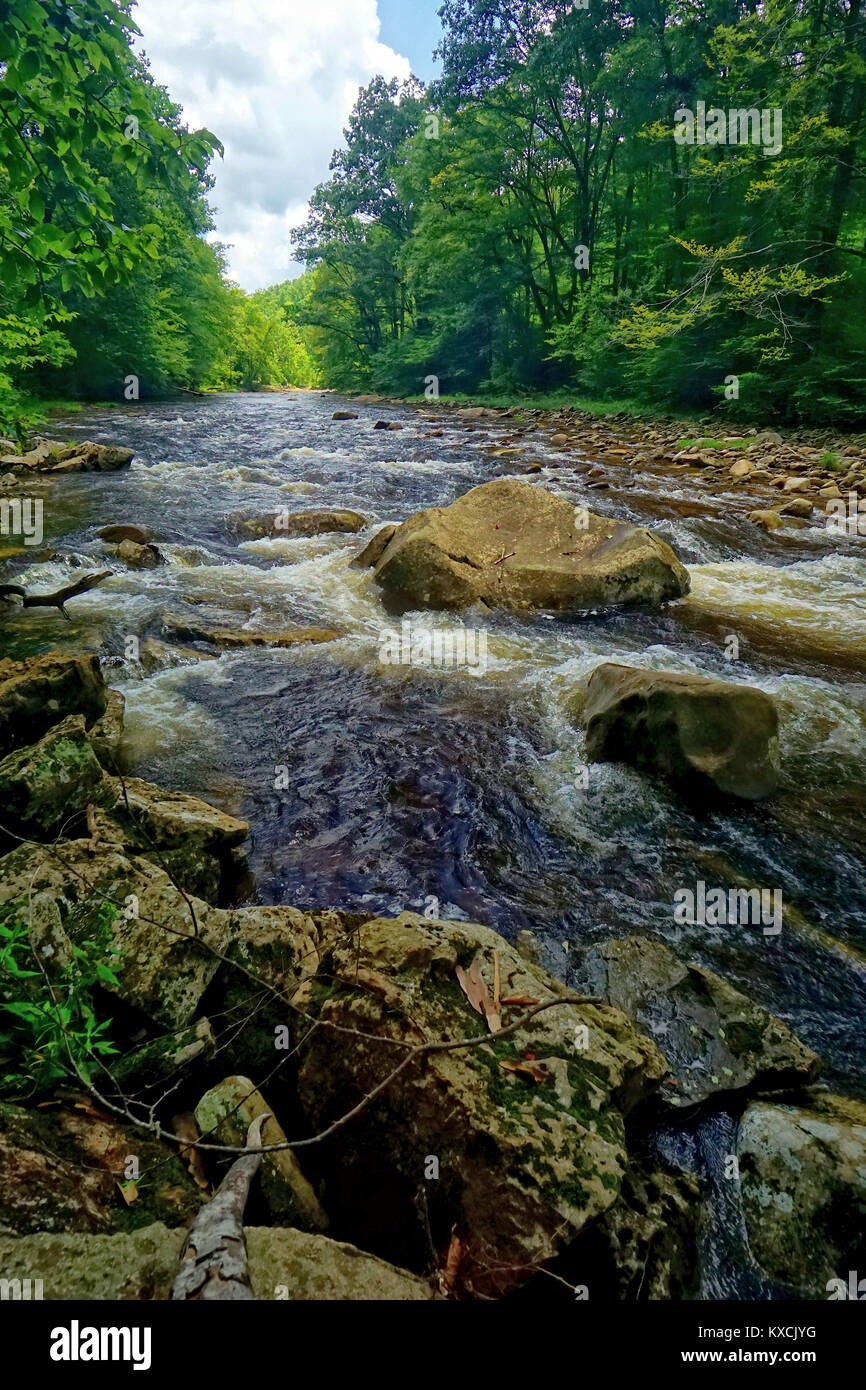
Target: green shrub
[[48, 1027]]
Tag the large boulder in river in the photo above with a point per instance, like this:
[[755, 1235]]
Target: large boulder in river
[[714, 1038], [40, 692], [517, 1141], [803, 1184], [516, 546], [706, 735]]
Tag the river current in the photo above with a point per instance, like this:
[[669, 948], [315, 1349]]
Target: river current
[[460, 791]]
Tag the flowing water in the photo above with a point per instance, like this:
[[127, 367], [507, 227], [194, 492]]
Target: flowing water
[[381, 787]]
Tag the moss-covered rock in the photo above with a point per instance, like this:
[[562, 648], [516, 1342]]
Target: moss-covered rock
[[142, 1266], [106, 734], [714, 1038], [46, 788], [645, 1245], [188, 838], [62, 1170], [803, 1183], [138, 1267], [527, 1151], [40, 692], [162, 956], [289, 1264], [225, 1114]]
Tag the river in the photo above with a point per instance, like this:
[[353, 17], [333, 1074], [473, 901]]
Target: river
[[455, 791]]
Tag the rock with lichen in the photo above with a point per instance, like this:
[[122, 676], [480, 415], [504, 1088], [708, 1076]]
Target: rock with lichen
[[527, 1130]]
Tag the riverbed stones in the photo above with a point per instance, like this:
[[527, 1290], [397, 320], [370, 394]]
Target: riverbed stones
[[705, 735], [38, 693], [59, 456], [238, 639], [803, 1184], [529, 1151], [714, 1038], [512, 545], [799, 506], [139, 557], [767, 518], [288, 524], [225, 1114]]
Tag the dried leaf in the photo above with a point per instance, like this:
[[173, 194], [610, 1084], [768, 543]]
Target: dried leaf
[[524, 1069], [185, 1127], [521, 1000], [472, 983], [453, 1260], [128, 1191]]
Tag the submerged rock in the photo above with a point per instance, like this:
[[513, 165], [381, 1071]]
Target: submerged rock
[[714, 1038], [803, 1184], [527, 1131], [513, 545], [705, 734], [228, 639], [312, 523], [139, 535]]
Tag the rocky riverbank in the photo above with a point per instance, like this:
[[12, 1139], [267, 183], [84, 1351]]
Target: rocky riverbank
[[503, 1124], [447, 1118]]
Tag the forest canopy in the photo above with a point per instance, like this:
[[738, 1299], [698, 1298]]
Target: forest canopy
[[544, 216], [108, 287], [659, 200]]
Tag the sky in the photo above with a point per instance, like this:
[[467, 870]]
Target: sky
[[275, 80]]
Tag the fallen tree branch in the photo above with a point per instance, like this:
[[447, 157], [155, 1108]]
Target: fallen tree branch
[[214, 1267], [59, 597]]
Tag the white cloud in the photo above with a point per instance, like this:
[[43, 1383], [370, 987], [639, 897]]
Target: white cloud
[[275, 81]]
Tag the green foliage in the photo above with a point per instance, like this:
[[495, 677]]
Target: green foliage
[[48, 1025], [105, 273], [546, 228]]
